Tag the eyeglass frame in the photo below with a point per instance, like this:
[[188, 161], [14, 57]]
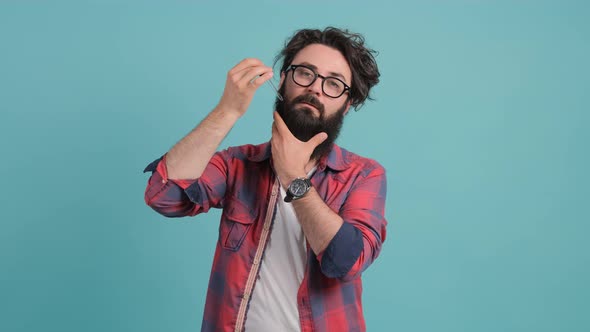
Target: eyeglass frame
[[316, 75]]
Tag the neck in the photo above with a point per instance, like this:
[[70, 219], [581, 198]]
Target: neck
[[310, 164]]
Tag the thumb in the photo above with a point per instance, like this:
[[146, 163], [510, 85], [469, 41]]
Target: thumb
[[318, 139]]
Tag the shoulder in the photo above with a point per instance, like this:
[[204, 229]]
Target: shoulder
[[345, 159], [251, 152]]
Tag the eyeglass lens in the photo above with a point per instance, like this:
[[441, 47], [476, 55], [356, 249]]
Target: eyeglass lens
[[306, 77]]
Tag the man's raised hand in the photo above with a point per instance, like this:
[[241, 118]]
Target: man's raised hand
[[242, 82]]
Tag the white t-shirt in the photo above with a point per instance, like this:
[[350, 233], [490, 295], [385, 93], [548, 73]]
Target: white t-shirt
[[273, 306]]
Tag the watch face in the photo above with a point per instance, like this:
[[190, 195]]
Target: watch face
[[298, 187]]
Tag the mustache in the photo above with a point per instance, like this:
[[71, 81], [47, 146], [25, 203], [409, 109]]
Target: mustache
[[309, 99]]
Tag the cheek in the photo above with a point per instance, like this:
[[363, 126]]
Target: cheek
[[333, 106], [291, 88], [292, 91]]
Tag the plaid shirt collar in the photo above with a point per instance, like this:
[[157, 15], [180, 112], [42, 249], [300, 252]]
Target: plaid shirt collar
[[335, 160]]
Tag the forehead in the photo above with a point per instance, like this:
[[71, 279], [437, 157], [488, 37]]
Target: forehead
[[327, 60]]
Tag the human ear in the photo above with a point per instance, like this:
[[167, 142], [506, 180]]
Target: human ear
[[347, 107], [282, 80]]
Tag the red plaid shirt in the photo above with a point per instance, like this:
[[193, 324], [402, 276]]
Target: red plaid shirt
[[241, 181]]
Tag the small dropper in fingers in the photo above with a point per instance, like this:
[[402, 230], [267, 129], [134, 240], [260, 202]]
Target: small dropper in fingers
[[275, 88]]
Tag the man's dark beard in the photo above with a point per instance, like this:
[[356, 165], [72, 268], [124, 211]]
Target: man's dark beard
[[304, 125]]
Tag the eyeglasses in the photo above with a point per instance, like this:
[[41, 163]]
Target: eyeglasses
[[331, 86]]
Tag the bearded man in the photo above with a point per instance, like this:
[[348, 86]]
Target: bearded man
[[302, 217]]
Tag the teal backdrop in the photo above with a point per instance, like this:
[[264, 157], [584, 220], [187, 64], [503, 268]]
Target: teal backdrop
[[480, 118]]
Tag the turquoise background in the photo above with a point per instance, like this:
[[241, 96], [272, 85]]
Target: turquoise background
[[481, 120]]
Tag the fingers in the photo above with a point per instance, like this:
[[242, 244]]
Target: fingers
[[317, 139], [249, 62], [251, 76], [275, 132], [250, 72], [241, 83], [259, 78]]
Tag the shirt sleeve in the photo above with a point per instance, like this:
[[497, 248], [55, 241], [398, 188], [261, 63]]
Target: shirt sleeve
[[187, 197], [358, 241]]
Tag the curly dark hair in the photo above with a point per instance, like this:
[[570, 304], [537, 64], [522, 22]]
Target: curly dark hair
[[363, 66]]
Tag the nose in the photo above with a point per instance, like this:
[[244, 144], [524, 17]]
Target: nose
[[316, 87]]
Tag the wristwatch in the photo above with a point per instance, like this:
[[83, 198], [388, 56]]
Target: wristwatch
[[297, 189]]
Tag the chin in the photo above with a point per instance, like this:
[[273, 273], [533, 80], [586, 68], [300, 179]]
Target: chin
[[308, 111]]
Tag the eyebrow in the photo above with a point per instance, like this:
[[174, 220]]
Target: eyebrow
[[334, 74]]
